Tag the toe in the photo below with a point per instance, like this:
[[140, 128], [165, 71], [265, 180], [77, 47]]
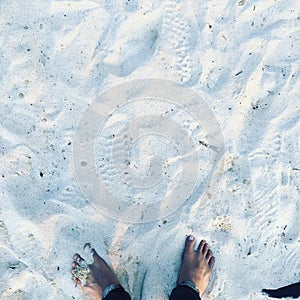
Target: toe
[[209, 254], [189, 244], [96, 256], [211, 262], [205, 249], [75, 264], [77, 257], [74, 268], [76, 280], [201, 245]]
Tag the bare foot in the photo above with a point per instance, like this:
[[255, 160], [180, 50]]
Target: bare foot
[[196, 265], [99, 277]]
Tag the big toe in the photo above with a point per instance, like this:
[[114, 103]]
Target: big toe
[[97, 258], [189, 244], [93, 252]]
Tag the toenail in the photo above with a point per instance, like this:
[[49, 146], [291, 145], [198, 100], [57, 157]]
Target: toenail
[[191, 238]]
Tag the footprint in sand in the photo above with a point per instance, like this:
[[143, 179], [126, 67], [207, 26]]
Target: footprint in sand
[[10, 268], [181, 30], [133, 50], [22, 181]]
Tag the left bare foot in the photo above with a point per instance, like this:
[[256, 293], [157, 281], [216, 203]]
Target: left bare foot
[[99, 277]]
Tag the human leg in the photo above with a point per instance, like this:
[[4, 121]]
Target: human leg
[[292, 290], [117, 294], [184, 293]]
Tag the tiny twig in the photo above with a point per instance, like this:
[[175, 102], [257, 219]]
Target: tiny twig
[[209, 146], [295, 169]]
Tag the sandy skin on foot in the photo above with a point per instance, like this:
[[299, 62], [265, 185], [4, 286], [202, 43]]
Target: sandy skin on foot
[[99, 277]]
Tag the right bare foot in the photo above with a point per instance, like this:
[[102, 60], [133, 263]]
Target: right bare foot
[[197, 264]]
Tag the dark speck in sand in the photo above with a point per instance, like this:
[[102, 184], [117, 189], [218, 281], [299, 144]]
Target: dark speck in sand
[[249, 251]]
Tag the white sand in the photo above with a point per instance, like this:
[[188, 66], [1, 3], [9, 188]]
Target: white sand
[[242, 57]]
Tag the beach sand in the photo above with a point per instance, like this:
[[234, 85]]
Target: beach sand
[[241, 57]]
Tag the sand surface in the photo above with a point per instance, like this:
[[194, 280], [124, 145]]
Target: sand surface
[[241, 57]]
